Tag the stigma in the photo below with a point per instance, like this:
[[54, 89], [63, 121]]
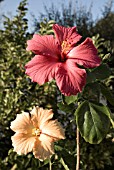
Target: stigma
[[36, 132]]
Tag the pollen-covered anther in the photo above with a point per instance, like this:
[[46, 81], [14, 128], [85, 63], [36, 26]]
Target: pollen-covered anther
[[65, 47], [36, 131]]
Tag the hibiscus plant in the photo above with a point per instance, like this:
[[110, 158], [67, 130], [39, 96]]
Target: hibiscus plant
[[64, 57], [63, 94]]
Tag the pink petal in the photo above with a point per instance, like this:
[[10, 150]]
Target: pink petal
[[22, 123], [41, 69], [85, 54], [43, 45], [53, 129], [43, 147], [70, 79], [69, 34], [22, 143], [40, 116]]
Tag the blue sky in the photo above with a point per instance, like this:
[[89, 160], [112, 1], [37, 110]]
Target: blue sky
[[36, 6]]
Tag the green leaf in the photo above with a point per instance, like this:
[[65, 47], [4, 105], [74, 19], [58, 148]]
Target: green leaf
[[66, 108], [93, 121], [107, 93], [70, 99], [92, 91], [102, 72], [90, 77], [107, 56]]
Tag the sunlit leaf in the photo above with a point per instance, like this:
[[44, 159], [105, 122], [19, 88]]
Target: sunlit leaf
[[70, 99]]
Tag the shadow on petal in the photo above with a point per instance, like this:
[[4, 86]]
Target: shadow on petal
[[43, 147]]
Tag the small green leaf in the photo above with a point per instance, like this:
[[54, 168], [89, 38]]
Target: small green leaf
[[107, 56], [107, 93], [58, 148], [93, 121], [70, 99], [66, 108], [45, 162]]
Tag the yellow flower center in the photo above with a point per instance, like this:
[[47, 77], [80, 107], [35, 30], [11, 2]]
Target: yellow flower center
[[36, 131], [65, 47]]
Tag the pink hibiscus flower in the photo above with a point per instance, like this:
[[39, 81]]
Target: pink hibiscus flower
[[36, 133], [58, 58]]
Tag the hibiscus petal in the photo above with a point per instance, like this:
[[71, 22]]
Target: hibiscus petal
[[70, 79], [22, 143], [40, 116], [43, 147], [53, 129], [66, 34], [43, 45], [41, 69], [22, 123], [85, 54]]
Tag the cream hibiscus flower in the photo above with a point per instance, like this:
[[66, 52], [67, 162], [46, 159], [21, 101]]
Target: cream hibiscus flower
[[36, 132]]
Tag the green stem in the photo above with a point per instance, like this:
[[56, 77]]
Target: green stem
[[78, 149], [50, 164]]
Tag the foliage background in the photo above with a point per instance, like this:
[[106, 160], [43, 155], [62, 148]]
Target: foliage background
[[18, 93]]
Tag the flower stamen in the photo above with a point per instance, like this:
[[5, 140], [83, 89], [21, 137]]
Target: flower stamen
[[65, 47], [36, 131]]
